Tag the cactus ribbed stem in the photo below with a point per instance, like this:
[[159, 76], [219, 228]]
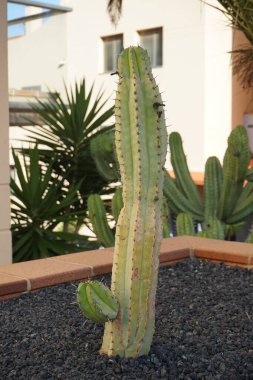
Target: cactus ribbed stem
[[99, 222], [177, 201], [141, 149], [166, 219], [185, 225], [212, 187], [235, 167], [183, 177], [117, 203]]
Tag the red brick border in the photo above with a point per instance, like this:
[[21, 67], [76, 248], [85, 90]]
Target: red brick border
[[16, 279]]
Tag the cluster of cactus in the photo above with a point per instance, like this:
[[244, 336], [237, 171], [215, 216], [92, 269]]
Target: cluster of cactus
[[141, 142], [185, 225], [227, 201], [228, 190]]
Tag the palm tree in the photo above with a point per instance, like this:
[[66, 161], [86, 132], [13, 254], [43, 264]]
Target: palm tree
[[240, 15], [114, 8]]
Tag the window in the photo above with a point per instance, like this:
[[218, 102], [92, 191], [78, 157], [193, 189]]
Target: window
[[113, 46], [151, 40]]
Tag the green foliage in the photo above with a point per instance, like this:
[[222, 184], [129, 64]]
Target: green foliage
[[117, 203], [97, 215], [103, 152], [226, 197], [100, 219], [39, 205], [66, 133], [184, 181], [240, 15]]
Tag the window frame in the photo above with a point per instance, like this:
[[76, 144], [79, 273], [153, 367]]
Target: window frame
[[143, 32], [112, 37]]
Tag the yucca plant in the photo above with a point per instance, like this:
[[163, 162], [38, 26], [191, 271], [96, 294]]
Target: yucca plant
[[39, 205], [65, 133]]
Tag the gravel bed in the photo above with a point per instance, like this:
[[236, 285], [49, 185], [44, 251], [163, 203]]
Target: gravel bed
[[204, 330]]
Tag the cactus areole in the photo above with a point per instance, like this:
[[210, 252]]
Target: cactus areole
[[141, 142]]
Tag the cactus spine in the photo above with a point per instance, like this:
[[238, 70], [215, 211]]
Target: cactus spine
[[141, 149]]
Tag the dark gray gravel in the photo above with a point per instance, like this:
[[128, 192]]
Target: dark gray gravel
[[204, 330]]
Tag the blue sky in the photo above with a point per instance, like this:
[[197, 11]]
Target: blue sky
[[15, 11]]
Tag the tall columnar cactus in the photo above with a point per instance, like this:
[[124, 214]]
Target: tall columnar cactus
[[212, 187], [185, 225], [235, 166], [141, 142]]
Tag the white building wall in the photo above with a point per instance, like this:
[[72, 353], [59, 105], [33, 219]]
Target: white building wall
[[195, 77], [217, 84], [36, 59]]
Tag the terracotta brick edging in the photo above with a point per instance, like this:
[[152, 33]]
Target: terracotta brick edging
[[16, 279]]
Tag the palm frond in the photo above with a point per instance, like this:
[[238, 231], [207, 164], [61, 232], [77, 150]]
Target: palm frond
[[114, 8], [39, 204], [240, 15]]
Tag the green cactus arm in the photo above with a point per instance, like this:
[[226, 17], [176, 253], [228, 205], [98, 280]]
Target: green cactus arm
[[103, 153], [183, 178], [97, 301], [97, 215], [238, 142], [185, 226], [141, 149], [166, 219], [235, 166], [117, 203], [242, 210], [246, 191], [177, 201], [212, 187]]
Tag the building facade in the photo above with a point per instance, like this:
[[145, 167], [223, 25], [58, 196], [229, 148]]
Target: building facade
[[188, 43]]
